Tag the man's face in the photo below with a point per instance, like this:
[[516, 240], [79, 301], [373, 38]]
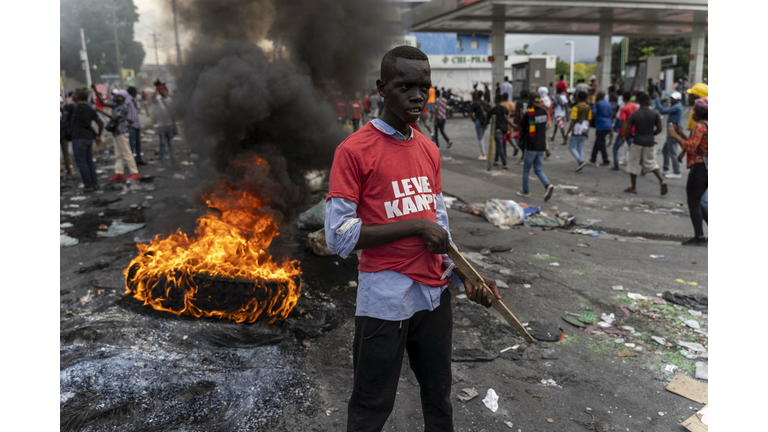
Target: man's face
[[163, 91], [406, 89], [119, 99], [691, 98]]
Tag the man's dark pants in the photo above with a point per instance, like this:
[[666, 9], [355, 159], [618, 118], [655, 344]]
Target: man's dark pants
[[134, 137], [501, 150], [440, 127], [82, 149], [378, 351], [600, 146]]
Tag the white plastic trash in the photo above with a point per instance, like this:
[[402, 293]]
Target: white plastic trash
[[491, 400], [503, 212]]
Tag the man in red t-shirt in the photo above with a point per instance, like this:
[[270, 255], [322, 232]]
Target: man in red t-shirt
[[625, 111], [355, 107], [561, 85], [385, 201], [340, 105]]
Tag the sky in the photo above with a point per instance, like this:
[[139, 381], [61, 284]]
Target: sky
[[155, 17]]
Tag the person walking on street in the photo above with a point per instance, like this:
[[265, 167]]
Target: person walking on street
[[675, 117], [123, 155], [440, 113], [501, 125], [581, 114], [642, 157], [63, 141], [486, 93], [431, 100], [385, 200], [165, 127], [375, 104], [624, 135], [506, 89], [80, 115], [560, 102], [561, 84], [355, 112], [510, 106], [477, 113], [696, 151], [603, 113], [592, 90], [547, 104], [134, 125], [533, 134]]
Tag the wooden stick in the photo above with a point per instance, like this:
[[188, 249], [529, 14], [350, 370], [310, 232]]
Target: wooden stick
[[477, 280]]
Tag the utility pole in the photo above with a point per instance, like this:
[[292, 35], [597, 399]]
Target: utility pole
[[176, 31], [572, 44], [117, 44], [84, 59], [157, 59]]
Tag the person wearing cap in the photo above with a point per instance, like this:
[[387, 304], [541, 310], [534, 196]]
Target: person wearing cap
[[123, 154], [675, 117], [533, 138], [700, 90], [696, 151]]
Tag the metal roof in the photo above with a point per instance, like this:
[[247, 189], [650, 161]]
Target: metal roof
[[638, 18]]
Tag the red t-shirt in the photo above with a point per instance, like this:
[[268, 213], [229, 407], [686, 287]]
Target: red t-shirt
[[341, 107], [391, 181], [562, 85], [355, 106], [627, 110]]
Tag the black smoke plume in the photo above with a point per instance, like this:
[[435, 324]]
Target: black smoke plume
[[237, 98]]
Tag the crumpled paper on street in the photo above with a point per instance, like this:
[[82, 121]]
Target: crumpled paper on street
[[491, 400]]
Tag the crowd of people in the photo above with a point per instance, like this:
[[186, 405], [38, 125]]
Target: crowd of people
[[81, 108], [622, 120]]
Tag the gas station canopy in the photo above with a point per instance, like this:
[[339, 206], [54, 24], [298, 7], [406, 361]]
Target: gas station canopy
[[638, 18]]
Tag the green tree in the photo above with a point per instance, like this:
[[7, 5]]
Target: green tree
[[523, 51], [95, 17]]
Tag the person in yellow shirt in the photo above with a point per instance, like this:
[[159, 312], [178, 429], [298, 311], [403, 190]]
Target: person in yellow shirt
[[700, 90], [581, 114], [431, 100]]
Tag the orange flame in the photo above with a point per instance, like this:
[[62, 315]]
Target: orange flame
[[232, 246]]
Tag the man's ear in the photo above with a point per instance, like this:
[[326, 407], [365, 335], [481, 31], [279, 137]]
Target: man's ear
[[380, 86]]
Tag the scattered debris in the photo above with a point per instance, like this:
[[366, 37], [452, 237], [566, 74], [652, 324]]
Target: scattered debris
[[702, 371], [78, 198], [509, 424], [491, 400], [67, 241], [617, 288], [689, 388], [66, 225], [698, 422], [178, 176], [692, 324], [314, 218], [472, 355], [657, 256], [680, 281], [635, 296], [119, 228], [316, 243], [532, 393], [550, 383], [554, 264], [545, 332], [467, 394], [659, 340], [549, 420], [352, 284], [503, 212], [694, 312], [670, 368], [697, 302], [90, 268], [574, 321], [626, 353], [587, 317], [73, 213]]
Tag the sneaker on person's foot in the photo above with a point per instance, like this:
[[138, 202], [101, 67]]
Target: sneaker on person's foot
[[450, 143], [523, 194], [605, 164], [495, 164], [548, 193], [664, 189], [118, 177], [673, 176], [580, 166], [615, 168], [520, 162], [481, 157], [133, 177], [696, 241], [515, 153]]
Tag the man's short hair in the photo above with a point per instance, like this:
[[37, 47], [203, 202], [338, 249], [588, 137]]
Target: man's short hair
[[524, 94], [497, 99], [562, 77], [627, 95], [402, 51], [81, 94], [479, 94], [611, 89], [581, 96], [131, 90], [437, 93], [701, 112], [506, 78], [643, 98], [505, 96]]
